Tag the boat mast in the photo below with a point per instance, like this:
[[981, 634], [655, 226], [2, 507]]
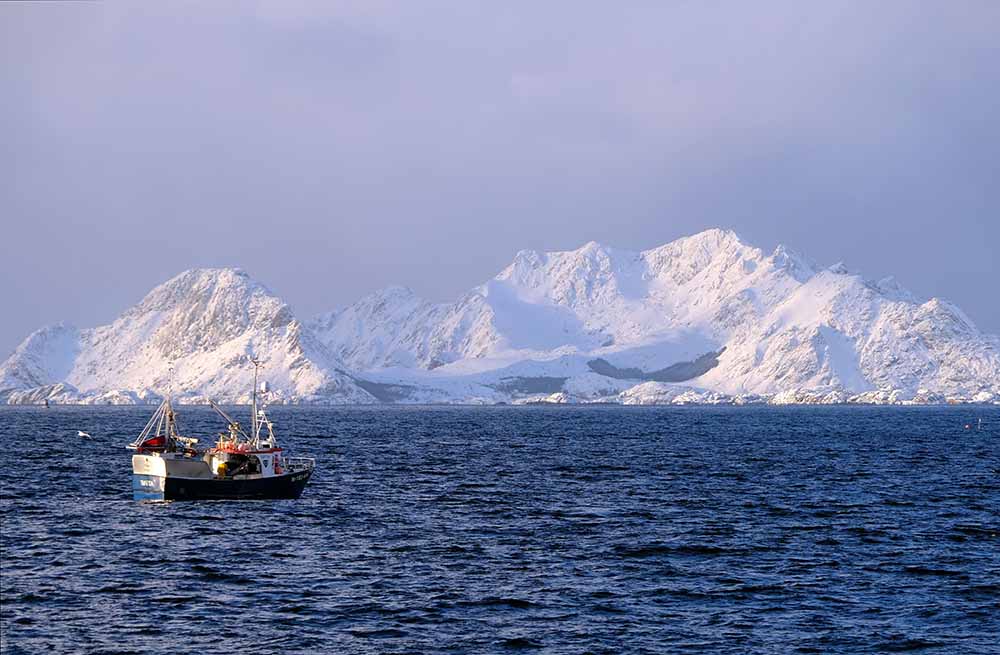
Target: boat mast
[[169, 408], [253, 425], [171, 425]]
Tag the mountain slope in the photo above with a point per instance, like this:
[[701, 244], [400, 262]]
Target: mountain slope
[[191, 336]]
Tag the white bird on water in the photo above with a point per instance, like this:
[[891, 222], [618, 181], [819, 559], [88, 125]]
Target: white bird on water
[[81, 433]]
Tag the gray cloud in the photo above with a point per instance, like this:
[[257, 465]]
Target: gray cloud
[[331, 150]]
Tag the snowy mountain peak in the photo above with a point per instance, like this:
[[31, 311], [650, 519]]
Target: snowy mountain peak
[[204, 308], [713, 238], [527, 259], [946, 313], [41, 358], [792, 262], [891, 289], [702, 318], [702, 246], [707, 310], [192, 336], [201, 284]]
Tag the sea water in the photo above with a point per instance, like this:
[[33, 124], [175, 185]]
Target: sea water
[[554, 529]]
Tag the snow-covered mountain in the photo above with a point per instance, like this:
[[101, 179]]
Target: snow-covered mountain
[[193, 337], [706, 318], [706, 315]]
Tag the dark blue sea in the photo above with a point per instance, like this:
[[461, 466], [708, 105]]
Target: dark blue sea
[[502, 529]]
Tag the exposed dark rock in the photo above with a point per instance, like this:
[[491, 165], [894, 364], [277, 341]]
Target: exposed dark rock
[[679, 372], [386, 393]]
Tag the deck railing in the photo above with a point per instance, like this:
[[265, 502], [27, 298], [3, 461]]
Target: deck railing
[[299, 463]]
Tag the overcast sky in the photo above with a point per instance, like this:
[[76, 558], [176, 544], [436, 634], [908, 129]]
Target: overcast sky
[[332, 150]]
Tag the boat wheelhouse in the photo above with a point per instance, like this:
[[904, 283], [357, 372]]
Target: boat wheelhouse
[[168, 466]]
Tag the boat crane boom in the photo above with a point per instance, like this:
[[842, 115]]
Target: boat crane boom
[[228, 418]]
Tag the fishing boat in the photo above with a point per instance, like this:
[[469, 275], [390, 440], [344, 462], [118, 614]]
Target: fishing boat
[[168, 466]]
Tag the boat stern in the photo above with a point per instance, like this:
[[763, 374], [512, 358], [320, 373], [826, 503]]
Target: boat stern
[[148, 477], [147, 487]]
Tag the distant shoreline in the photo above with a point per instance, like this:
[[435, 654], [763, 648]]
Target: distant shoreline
[[511, 405]]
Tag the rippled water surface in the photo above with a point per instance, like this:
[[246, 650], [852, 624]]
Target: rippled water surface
[[565, 530]]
